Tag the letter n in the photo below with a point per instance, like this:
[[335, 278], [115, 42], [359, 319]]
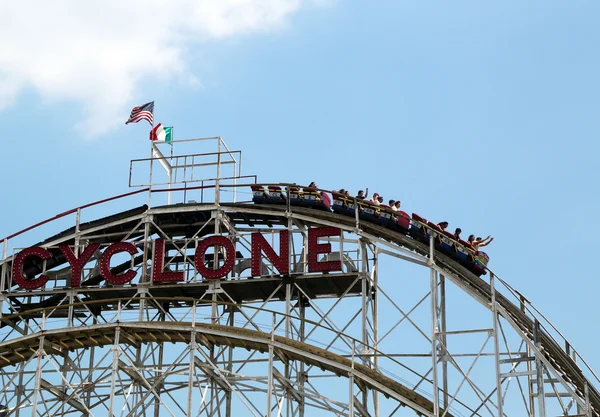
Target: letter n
[[281, 262]]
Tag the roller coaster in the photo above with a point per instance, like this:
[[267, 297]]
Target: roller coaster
[[310, 305]]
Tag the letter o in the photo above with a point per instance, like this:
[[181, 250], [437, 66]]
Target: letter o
[[229, 257]]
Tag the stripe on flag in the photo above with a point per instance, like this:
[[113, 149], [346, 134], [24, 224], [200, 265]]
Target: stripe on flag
[[143, 112], [162, 133]]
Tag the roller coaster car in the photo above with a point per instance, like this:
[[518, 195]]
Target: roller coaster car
[[437, 229], [386, 216], [481, 261], [417, 228], [341, 204], [311, 197], [368, 211], [402, 221], [295, 195], [463, 253], [395, 220], [276, 195], [259, 194], [475, 261], [447, 243]]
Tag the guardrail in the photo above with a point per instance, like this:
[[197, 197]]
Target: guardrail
[[550, 329]]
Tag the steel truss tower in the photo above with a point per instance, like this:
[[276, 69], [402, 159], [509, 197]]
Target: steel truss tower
[[399, 330]]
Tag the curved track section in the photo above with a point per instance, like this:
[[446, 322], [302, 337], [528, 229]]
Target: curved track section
[[58, 341], [549, 369]]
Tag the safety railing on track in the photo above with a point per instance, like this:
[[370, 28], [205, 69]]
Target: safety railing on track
[[549, 329]]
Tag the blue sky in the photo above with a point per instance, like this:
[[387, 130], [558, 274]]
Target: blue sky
[[482, 114]]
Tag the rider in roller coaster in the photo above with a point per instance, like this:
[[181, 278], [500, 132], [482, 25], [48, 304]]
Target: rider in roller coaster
[[377, 200], [479, 242]]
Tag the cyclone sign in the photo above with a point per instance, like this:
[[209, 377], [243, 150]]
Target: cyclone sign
[[259, 247]]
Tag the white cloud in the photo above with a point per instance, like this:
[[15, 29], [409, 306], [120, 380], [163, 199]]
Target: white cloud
[[95, 52]]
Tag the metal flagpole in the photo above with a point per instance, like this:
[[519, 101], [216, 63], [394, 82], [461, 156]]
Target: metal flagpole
[[156, 153], [151, 156], [165, 164]]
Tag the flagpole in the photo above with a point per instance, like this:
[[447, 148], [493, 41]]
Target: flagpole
[[156, 153], [169, 170], [150, 179], [151, 158], [162, 160]]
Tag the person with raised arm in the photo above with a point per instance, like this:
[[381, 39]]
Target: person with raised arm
[[361, 195], [479, 242]]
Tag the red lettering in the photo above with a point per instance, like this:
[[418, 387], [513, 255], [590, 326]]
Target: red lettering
[[260, 248], [77, 264], [229, 257], [315, 249], [281, 262], [158, 265], [117, 279], [17, 268]]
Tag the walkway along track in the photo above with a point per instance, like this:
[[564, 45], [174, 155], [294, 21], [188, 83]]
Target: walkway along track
[[179, 218]]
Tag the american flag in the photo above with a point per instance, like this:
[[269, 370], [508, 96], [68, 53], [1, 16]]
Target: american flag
[[143, 112]]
